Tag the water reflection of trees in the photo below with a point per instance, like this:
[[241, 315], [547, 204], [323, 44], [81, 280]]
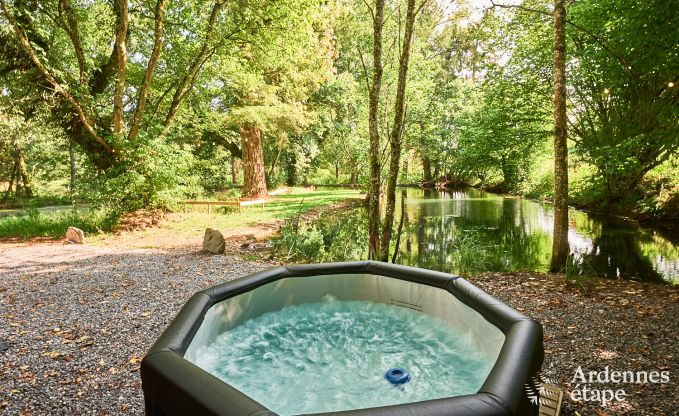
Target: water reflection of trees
[[474, 235], [470, 232], [617, 253]]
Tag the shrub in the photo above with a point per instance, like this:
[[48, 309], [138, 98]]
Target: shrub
[[156, 174]]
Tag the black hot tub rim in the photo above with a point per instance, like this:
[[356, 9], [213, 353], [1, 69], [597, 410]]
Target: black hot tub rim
[[174, 386]]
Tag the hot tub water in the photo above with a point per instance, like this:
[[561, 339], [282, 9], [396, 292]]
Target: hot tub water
[[333, 355]]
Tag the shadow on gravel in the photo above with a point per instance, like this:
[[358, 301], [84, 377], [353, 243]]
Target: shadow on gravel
[[77, 323]]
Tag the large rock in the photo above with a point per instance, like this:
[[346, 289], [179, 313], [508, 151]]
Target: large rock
[[213, 241], [75, 235]]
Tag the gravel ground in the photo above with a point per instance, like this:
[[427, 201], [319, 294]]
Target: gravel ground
[[78, 319], [625, 326]]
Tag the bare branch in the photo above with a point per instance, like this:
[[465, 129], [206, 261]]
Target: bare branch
[[420, 7], [365, 69], [372, 13]]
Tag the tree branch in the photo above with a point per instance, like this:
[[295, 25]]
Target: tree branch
[[57, 87], [365, 69], [372, 12], [150, 68], [73, 33], [121, 54], [226, 143], [187, 82]]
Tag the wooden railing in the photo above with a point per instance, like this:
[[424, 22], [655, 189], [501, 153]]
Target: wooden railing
[[239, 202]]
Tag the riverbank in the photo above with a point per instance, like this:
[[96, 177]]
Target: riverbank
[[78, 319]]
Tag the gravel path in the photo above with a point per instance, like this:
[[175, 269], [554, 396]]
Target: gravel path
[[78, 319]]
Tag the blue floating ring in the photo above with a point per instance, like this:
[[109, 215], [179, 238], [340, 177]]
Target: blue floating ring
[[397, 376]]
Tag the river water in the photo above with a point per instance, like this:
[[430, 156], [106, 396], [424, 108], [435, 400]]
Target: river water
[[471, 231]]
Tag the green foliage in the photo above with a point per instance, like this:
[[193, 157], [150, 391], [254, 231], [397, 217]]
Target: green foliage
[[54, 225], [502, 135], [472, 255], [580, 274], [478, 103], [627, 119], [318, 243], [309, 245], [156, 174]]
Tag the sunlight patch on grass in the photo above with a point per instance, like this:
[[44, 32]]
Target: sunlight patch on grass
[[196, 219]]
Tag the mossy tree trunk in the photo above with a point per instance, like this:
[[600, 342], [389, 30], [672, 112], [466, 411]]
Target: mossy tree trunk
[[373, 129], [234, 169], [396, 133], [560, 235]]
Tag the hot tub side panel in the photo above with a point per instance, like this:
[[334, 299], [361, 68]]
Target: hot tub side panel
[[521, 356], [174, 386]]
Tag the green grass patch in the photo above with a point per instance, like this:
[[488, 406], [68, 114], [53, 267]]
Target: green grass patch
[[54, 224], [280, 208]]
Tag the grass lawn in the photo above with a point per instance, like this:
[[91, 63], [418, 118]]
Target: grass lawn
[[97, 222], [280, 208], [53, 223]]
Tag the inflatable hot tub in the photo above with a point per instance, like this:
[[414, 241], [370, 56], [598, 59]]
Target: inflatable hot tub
[[176, 381]]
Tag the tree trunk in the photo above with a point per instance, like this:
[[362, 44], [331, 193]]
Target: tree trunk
[[354, 177], [373, 128], [150, 68], [291, 169], [121, 51], [22, 173], [234, 169], [254, 180], [396, 133], [400, 228], [11, 180], [71, 160], [560, 235], [206, 50], [426, 167], [272, 170]]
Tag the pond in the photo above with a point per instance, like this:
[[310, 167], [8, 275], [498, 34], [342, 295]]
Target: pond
[[471, 231]]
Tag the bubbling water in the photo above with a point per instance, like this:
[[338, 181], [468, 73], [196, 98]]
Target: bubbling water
[[332, 356]]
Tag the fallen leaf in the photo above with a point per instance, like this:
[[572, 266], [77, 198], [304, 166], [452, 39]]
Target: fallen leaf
[[52, 354]]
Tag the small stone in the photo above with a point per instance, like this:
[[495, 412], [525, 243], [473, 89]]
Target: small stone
[[75, 235], [213, 241], [4, 346]]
